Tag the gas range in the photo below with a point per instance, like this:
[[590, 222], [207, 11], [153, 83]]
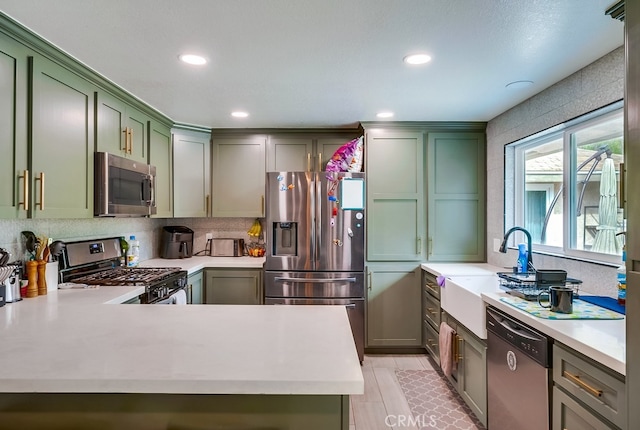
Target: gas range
[[97, 262]]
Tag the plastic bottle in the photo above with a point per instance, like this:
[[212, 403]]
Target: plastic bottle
[[133, 257], [622, 279], [523, 259], [124, 246]]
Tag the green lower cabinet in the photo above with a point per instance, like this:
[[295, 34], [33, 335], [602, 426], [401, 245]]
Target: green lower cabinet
[[233, 287], [195, 288], [469, 377], [394, 316], [586, 394]]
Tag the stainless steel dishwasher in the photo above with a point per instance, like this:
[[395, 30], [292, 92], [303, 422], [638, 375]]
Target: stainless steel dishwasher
[[518, 379]]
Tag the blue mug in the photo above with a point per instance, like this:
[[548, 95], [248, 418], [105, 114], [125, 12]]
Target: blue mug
[[560, 299]]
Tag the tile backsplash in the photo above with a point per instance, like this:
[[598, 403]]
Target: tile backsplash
[[147, 230]]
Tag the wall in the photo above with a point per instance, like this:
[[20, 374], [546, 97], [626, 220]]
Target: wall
[[597, 85], [147, 230]]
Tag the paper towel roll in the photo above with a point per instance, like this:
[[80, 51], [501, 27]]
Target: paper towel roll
[[51, 275]]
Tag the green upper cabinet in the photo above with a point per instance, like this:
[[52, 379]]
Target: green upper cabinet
[[122, 129], [290, 153], [396, 220], [304, 152], [191, 173], [160, 156], [62, 142], [456, 196], [14, 176], [238, 175]]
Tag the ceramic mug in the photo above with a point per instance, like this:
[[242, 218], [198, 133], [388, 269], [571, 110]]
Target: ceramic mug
[[560, 299]]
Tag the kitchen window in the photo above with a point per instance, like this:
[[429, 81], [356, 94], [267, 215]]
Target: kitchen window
[[563, 186]]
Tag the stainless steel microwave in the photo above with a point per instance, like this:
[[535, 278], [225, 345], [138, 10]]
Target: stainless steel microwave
[[123, 187]]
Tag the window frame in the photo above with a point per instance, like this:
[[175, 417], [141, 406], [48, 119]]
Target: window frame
[[514, 212]]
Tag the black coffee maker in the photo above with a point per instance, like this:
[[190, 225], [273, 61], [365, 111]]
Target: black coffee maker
[[177, 242]]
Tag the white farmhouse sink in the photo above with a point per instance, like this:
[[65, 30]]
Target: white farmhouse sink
[[461, 298]]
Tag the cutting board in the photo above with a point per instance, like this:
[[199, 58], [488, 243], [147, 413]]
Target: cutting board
[[581, 310]]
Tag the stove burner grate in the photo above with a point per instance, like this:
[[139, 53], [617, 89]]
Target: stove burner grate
[[133, 276]]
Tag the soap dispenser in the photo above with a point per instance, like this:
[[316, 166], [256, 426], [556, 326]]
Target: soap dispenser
[[523, 258]]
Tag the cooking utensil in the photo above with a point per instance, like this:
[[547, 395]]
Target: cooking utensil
[[56, 248], [31, 240], [4, 257]]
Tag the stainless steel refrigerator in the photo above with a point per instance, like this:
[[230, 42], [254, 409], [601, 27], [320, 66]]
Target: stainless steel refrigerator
[[315, 242]]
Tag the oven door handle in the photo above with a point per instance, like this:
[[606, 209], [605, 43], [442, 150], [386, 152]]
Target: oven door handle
[[169, 300], [313, 280]]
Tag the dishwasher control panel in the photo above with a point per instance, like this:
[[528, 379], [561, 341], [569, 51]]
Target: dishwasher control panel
[[531, 342]]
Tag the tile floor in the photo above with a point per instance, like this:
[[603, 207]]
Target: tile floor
[[383, 405]]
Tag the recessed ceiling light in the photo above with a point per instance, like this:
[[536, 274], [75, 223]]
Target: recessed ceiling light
[[239, 114], [517, 85], [384, 114], [417, 59], [196, 60]]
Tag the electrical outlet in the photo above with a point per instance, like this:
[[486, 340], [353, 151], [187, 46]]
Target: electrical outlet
[[209, 236], [496, 245]]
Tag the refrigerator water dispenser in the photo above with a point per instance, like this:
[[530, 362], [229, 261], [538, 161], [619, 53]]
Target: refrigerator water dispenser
[[285, 235]]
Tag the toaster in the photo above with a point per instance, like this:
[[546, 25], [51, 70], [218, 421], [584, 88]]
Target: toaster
[[227, 247]]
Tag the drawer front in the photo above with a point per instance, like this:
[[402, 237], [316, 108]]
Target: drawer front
[[597, 387], [430, 284], [569, 414], [430, 341], [431, 310]]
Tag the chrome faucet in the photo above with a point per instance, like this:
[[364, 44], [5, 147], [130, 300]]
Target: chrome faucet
[[503, 246]]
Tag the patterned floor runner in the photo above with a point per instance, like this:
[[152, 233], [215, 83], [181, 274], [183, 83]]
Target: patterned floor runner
[[434, 403]]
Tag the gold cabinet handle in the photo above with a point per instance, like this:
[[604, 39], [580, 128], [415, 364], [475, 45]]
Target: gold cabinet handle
[[25, 189], [262, 206], [130, 140], [370, 282], [41, 179], [457, 341], [432, 343], [319, 161], [431, 287], [576, 379], [430, 250], [308, 161], [206, 205], [418, 245], [125, 147]]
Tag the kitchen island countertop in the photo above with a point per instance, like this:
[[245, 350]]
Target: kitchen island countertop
[[79, 341]]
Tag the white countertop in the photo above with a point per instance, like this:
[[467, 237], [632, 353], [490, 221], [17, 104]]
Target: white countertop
[[462, 269], [75, 341], [196, 263], [469, 287], [602, 340]]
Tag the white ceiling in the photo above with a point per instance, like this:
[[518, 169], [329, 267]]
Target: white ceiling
[[326, 63]]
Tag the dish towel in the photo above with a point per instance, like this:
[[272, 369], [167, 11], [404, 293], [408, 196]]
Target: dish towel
[[445, 341], [179, 298]]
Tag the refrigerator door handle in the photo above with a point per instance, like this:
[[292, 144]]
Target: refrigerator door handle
[[314, 281]]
